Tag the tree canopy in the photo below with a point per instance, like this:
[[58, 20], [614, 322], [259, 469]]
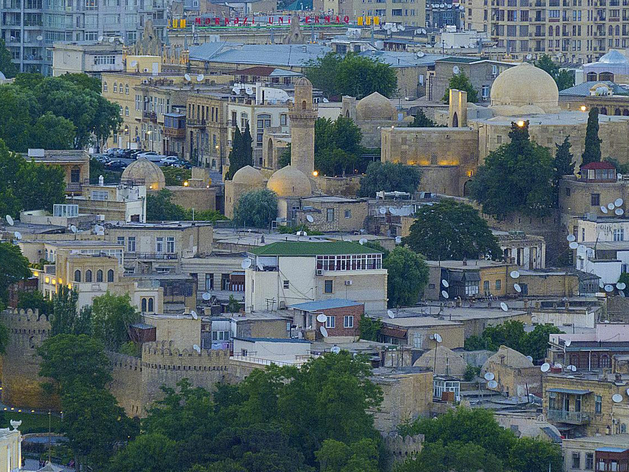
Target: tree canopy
[[7, 67], [452, 230], [337, 147], [256, 208], [461, 82], [112, 315], [389, 177], [563, 77], [14, 268], [516, 177], [352, 74], [407, 276], [159, 207], [420, 120], [592, 151], [241, 154]]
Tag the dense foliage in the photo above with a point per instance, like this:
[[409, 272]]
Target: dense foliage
[[370, 328], [592, 151], [241, 154], [563, 77], [452, 230], [389, 177], [337, 147], [55, 112], [159, 207], [420, 120], [257, 208], [407, 276], [7, 67], [516, 177], [461, 82], [352, 75], [112, 315], [176, 175]]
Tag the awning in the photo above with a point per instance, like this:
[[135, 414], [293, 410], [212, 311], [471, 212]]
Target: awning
[[612, 449], [393, 332], [569, 391]]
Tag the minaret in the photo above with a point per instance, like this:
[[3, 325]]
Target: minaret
[[302, 114]]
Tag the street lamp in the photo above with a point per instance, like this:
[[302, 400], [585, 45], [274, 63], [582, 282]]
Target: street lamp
[[126, 131], [148, 133]]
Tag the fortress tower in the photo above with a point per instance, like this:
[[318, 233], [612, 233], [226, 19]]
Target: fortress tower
[[302, 114]]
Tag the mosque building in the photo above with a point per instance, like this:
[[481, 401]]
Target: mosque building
[[449, 156]]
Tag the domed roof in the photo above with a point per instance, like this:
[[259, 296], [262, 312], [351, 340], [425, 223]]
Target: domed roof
[[248, 176], [144, 172], [448, 362], [303, 82], [524, 89], [290, 182], [2, 77], [375, 107], [509, 357], [614, 57]]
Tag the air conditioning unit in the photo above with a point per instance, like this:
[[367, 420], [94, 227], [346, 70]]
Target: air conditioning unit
[[348, 282], [319, 271], [282, 305]]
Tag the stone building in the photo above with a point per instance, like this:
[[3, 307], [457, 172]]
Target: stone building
[[371, 114], [144, 172], [75, 166], [442, 361], [302, 114], [608, 452], [514, 373]]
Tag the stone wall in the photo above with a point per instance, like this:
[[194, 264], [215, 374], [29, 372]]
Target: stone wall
[[339, 186]]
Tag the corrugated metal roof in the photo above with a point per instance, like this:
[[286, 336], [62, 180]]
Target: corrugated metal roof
[[309, 248], [569, 391], [282, 55], [325, 304]]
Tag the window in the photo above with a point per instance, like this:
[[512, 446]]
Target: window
[[88, 275], [110, 275], [131, 244], [589, 461], [598, 404], [329, 286], [170, 245], [104, 86], [498, 139], [348, 321], [486, 286], [348, 214], [223, 336], [485, 92], [100, 195], [330, 215], [151, 305], [498, 284], [595, 199], [115, 87], [159, 245], [286, 284], [99, 275], [282, 120], [619, 234], [330, 322], [126, 89], [77, 275], [576, 460], [567, 191], [120, 240], [143, 305], [75, 175]]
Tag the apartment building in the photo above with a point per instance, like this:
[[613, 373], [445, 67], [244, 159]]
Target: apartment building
[[570, 31], [405, 12]]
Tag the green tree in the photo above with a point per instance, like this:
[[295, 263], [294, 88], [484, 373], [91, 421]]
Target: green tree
[[176, 175], [284, 159], [461, 82], [233, 305], [336, 456], [322, 73], [160, 208], [562, 77], [112, 315], [592, 151], [452, 230], [34, 300], [67, 318], [6, 61], [420, 120], [535, 455], [564, 164], [407, 276], [624, 278], [389, 177], [84, 81], [241, 154], [370, 328], [257, 208], [14, 268], [152, 452], [516, 177], [53, 132], [536, 342], [337, 146]]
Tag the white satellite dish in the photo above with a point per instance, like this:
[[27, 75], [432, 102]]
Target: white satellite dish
[[324, 331], [445, 283], [611, 205], [621, 286], [309, 218], [187, 77], [571, 238], [445, 294], [571, 368], [609, 288], [558, 365], [74, 229], [492, 384], [573, 245], [517, 288], [206, 296], [335, 350], [196, 348], [627, 391], [134, 63], [619, 211], [321, 318], [194, 315], [392, 210], [390, 314], [111, 40], [456, 70], [40, 38], [530, 358], [514, 274], [504, 306], [604, 209], [618, 202], [616, 397], [100, 38], [545, 367], [398, 240], [489, 376], [438, 338], [9, 220], [362, 241], [200, 78], [17, 235], [383, 211], [246, 264], [567, 342]]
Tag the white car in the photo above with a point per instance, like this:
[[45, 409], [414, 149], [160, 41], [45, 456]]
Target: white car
[[170, 160], [151, 156]]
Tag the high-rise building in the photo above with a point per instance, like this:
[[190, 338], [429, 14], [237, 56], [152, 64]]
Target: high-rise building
[[570, 31], [405, 12], [29, 27]]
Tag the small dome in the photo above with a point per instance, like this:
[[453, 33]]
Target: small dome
[[375, 107], [524, 89], [290, 182], [248, 176], [613, 57], [303, 82], [144, 172], [2, 77], [448, 362], [508, 357]]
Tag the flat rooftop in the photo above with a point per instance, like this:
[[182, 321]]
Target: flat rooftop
[[466, 265]]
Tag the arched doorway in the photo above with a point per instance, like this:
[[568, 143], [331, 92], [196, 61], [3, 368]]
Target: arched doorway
[[269, 153], [455, 120], [466, 188]]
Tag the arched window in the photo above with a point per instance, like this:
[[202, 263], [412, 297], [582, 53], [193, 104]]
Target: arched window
[[151, 305], [605, 361], [99, 275], [557, 30], [592, 76], [77, 275], [126, 111], [617, 111], [126, 89], [115, 87], [606, 76], [143, 305], [551, 30], [104, 86], [611, 30], [617, 30], [603, 111], [303, 105], [110, 275], [88, 275]]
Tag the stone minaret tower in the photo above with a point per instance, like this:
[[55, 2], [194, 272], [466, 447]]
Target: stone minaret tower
[[302, 114]]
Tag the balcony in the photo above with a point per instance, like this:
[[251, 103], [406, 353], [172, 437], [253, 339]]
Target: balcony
[[160, 256], [179, 133], [570, 417], [196, 123], [149, 116]]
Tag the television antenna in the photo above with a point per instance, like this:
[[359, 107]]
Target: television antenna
[[100, 39], [572, 368], [111, 40], [558, 365], [568, 342], [383, 211], [437, 337], [40, 38], [9, 220], [619, 211], [530, 358], [611, 205], [74, 229], [609, 288], [134, 63]]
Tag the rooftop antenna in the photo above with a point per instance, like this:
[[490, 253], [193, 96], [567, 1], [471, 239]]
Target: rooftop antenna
[[438, 339], [609, 288], [323, 331], [616, 397], [515, 274], [445, 294], [573, 245]]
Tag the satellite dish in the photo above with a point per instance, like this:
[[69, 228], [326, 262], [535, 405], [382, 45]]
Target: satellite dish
[[206, 296], [621, 286], [321, 318], [504, 306], [194, 315], [187, 77], [445, 294], [9, 220], [246, 264], [197, 348], [392, 210], [567, 342], [74, 229], [390, 314], [616, 397], [438, 338], [618, 202], [604, 209], [362, 241], [619, 211], [517, 288], [134, 63], [611, 205], [101, 232], [335, 350], [17, 235], [489, 376], [398, 240], [609, 288], [514, 274], [456, 70], [492, 384], [421, 54], [111, 40], [530, 358], [100, 38], [383, 211], [627, 391], [573, 245], [571, 368], [309, 218], [558, 365], [445, 283], [200, 78], [545, 367], [571, 238], [324, 331]]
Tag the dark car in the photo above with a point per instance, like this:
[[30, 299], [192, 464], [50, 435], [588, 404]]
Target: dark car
[[116, 165]]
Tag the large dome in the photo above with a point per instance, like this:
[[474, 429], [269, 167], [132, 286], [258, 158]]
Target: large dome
[[290, 182], [144, 172], [524, 89], [375, 107], [448, 362], [509, 357], [249, 176]]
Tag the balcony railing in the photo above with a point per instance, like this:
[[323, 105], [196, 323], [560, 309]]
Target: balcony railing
[[195, 123], [149, 116], [572, 417], [162, 256], [175, 132]]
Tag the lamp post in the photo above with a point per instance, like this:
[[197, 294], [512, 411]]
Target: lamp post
[[126, 131], [148, 133]]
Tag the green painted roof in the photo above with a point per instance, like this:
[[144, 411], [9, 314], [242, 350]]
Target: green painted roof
[[294, 249]]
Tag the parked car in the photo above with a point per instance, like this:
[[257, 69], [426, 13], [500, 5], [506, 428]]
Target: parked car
[[170, 161], [116, 165]]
